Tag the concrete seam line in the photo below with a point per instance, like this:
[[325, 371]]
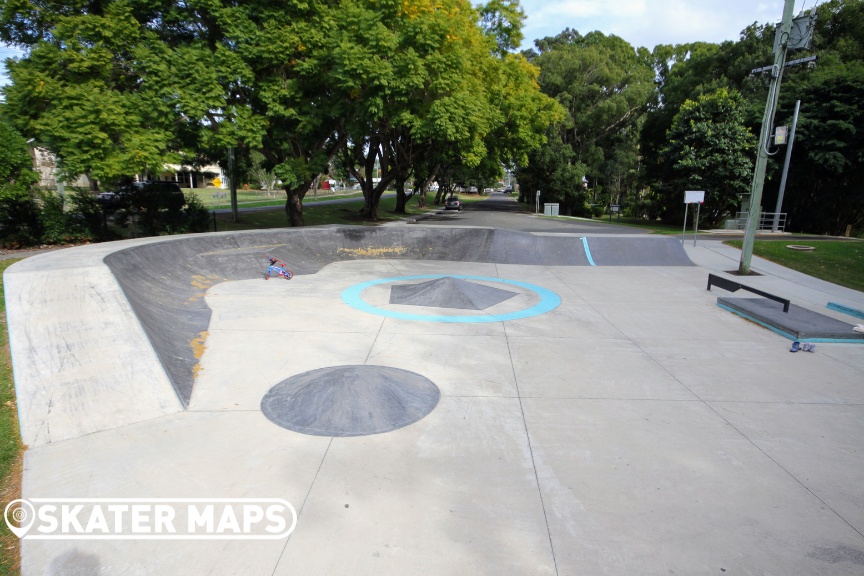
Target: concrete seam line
[[531, 450]]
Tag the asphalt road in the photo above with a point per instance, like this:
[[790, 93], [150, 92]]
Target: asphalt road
[[503, 211]]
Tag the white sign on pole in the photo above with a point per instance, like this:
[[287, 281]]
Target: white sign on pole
[[694, 196]]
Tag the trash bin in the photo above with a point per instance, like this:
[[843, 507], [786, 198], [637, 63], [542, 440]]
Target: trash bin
[[550, 209]]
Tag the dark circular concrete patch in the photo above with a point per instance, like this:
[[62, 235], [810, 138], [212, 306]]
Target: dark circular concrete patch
[[350, 400]]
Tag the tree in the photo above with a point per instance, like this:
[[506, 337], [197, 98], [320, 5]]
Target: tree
[[686, 72], [553, 171], [602, 82], [605, 86], [824, 193], [503, 20], [19, 214], [709, 148], [16, 164], [77, 93], [434, 90], [116, 89]]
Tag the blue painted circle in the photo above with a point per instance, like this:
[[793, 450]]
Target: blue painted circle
[[549, 300]]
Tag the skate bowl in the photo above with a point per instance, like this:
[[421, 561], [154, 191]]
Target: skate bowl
[[598, 437], [165, 282]]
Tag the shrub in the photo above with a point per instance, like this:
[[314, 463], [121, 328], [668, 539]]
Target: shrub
[[87, 218], [20, 221], [197, 218], [54, 226]]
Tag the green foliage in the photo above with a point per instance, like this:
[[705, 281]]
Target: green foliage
[[602, 82], [196, 217], [259, 175], [432, 92], [86, 217], [709, 148], [10, 438], [20, 222], [159, 210], [16, 164], [553, 171], [605, 86], [824, 193], [117, 88], [79, 91], [838, 262], [55, 225], [686, 72], [502, 19]]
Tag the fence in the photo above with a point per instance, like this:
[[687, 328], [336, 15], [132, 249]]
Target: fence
[[766, 221]]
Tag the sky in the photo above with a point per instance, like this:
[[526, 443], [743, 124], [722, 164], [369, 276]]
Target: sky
[[640, 22], [651, 22]]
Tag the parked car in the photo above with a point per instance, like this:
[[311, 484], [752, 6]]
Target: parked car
[[142, 193], [108, 198], [453, 203]]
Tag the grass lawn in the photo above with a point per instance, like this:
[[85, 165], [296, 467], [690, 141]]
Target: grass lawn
[[652, 227], [837, 261], [216, 199], [347, 213], [11, 451]]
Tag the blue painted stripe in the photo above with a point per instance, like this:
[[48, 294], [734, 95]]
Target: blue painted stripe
[[846, 310], [549, 300], [790, 336], [588, 251]]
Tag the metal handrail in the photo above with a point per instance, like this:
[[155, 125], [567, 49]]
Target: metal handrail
[[732, 286]]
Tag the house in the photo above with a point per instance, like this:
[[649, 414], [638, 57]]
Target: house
[[45, 163]]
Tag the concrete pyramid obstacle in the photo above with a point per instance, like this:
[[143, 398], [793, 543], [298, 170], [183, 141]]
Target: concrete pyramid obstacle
[[449, 292], [350, 400]]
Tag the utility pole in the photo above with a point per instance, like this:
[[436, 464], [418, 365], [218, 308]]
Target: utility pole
[[765, 136], [786, 168], [232, 180]]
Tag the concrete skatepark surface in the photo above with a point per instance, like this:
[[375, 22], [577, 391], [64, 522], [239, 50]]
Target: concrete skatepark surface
[[636, 428]]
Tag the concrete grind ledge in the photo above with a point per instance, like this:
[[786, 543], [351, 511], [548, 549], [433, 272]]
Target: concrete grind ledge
[[798, 324]]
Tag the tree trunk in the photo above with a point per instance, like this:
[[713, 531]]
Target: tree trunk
[[420, 193], [294, 207], [370, 206], [401, 198]]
